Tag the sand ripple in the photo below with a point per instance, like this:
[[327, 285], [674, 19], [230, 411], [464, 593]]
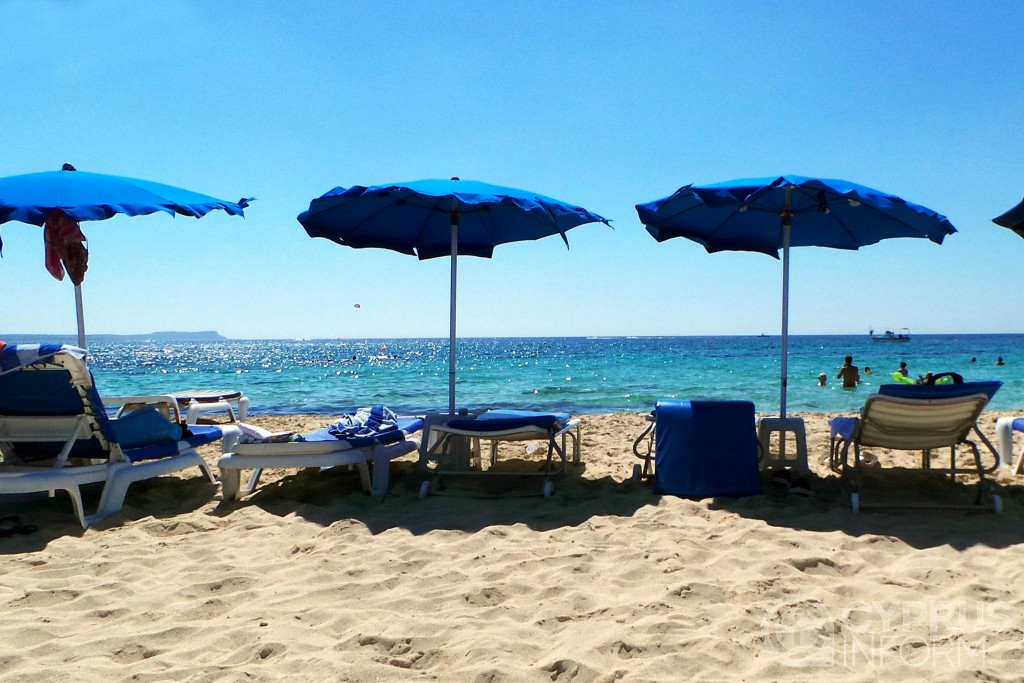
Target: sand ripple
[[308, 579]]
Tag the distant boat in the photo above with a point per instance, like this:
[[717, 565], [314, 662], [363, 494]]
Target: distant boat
[[898, 334]]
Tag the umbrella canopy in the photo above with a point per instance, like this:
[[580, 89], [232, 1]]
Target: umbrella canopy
[[82, 196], [432, 218], [58, 200], [767, 215], [1012, 219]]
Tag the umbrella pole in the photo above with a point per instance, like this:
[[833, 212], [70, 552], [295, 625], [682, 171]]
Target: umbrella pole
[[785, 314], [451, 308], [80, 314], [787, 220]]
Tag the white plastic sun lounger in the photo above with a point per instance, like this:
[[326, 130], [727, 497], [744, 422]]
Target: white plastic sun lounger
[[55, 433], [371, 455], [452, 443]]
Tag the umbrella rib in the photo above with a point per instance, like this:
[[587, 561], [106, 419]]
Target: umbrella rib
[[878, 212], [425, 224], [711, 232], [722, 223]]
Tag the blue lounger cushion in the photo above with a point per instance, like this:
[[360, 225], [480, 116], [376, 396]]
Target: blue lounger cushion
[[706, 448], [507, 420], [144, 427], [926, 391], [200, 435]]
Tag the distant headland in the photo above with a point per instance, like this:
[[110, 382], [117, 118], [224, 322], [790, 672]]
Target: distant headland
[[208, 336]]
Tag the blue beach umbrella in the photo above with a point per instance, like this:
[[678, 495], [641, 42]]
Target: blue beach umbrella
[[58, 200], [767, 215], [1012, 219], [433, 218]]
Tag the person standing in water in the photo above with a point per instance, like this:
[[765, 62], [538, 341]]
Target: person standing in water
[[849, 374]]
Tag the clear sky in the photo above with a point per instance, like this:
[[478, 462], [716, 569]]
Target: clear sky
[[602, 104]]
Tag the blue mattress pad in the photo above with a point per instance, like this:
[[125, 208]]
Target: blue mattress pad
[[928, 391], [505, 420], [200, 436]]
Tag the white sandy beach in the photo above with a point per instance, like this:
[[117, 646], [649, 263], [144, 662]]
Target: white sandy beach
[[310, 579]]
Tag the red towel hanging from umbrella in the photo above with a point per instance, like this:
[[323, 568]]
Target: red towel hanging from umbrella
[[65, 247]]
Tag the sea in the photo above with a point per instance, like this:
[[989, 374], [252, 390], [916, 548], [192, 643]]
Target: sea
[[566, 374]]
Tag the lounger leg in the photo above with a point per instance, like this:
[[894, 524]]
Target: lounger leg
[[833, 454], [982, 483], [851, 474], [230, 479], [992, 449], [364, 476], [76, 502], [205, 469], [381, 472], [575, 445], [114, 491], [254, 479]]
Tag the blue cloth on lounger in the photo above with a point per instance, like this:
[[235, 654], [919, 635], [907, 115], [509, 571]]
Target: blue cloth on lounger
[[15, 356], [403, 425], [370, 421], [199, 436], [144, 427], [929, 391], [504, 420]]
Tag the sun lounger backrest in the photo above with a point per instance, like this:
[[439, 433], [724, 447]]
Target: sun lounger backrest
[[912, 424], [59, 386], [706, 448]]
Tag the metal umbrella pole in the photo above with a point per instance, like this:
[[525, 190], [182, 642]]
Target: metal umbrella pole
[[451, 322], [787, 220], [80, 314]]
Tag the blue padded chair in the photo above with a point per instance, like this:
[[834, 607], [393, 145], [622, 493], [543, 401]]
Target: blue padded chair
[[55, 433], [705, 448]]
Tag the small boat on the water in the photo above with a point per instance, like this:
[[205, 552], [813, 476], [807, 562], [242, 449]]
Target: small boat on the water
[[897, 334]]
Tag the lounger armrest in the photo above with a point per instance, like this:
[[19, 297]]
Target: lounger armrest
[[843, 427], [66, 429], [171, 403], [568, 427]]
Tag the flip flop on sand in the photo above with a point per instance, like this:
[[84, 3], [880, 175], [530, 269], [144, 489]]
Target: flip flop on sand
[[781, 478], [12, 525], [801, 487]]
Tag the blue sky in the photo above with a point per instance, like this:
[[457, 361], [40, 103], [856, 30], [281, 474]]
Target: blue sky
[[601, 104]]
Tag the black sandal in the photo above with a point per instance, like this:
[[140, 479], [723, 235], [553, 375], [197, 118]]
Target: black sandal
[[781, 477], [801, 487], [12, 525]]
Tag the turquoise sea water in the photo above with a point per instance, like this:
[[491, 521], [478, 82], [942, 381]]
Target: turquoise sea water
[[578, 374]]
